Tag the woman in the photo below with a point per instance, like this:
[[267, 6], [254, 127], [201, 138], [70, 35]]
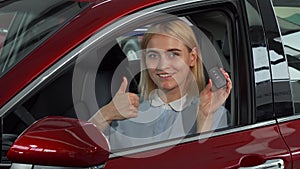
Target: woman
[[175, 102]]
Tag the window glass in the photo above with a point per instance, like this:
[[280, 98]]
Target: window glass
[[26, 24], [288, 17], [4, 26]]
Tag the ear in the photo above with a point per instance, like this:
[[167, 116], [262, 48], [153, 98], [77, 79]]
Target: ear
[[193, 57]]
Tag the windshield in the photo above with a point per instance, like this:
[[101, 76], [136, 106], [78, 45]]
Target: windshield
[[25, 24]]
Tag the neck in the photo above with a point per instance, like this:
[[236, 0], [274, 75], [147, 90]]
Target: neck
[[170, 95], [176, 93]]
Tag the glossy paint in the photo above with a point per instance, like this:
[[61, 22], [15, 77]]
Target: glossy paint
[[281, 86], [283, 102], [290, 131], [240, 149], [95, 17], [261, 68], [61, 141]]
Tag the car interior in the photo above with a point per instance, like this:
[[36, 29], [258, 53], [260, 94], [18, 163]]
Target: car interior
[[82, 95]]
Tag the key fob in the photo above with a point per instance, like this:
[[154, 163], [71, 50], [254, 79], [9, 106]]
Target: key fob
[[217, 77]]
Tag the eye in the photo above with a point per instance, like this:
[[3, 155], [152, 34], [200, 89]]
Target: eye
[[173, 54], [152, 55]]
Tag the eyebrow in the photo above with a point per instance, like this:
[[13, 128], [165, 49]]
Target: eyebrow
[[169, 50], [174, 50]]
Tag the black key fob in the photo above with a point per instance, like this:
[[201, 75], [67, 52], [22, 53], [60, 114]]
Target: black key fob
[[217, 77]]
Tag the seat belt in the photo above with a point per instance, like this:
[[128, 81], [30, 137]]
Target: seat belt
[[210, 59]]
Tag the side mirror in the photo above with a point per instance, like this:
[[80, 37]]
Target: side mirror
[[60, 141]]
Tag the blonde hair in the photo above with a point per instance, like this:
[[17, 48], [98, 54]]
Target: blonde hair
[[181, 31]]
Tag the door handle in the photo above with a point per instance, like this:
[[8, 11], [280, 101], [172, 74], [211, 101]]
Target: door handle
[[269, 164]]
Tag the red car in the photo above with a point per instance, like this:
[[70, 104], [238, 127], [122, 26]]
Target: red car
[[57, 68]]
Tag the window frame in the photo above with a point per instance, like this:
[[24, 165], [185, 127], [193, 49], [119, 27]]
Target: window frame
[[296, 66], [283, 103]]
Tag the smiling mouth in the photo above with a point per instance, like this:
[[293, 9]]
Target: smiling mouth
[[165, 75]]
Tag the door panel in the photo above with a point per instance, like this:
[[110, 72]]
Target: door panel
[[291, 133], [241, 148], [285, 68]]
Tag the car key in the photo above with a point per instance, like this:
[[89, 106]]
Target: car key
[[217, 77]]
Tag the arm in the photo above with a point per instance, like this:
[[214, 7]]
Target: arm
[[210, 102], [123, 106]]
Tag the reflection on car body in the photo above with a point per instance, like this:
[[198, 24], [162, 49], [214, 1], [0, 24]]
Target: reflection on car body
[[60, 59]]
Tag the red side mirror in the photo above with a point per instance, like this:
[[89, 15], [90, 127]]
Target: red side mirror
[[60, 141]]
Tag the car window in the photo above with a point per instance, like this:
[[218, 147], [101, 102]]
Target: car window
[[288, 17], [26, 24]]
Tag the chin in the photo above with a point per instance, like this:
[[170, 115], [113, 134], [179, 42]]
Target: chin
[[167, 87]]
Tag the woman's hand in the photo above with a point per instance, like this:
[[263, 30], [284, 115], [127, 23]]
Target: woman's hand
[[210, 101], [124, 105]]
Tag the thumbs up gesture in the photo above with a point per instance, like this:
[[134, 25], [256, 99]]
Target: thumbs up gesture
[[124, 105]]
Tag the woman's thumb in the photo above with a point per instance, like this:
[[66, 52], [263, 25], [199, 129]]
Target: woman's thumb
[[123, 86]]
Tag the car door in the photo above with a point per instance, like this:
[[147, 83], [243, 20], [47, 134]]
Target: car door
[[236, 29], [287, 15]]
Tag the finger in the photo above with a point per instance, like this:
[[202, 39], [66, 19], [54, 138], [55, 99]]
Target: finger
[[129, 112], [134, 99], [123, 86], [229, 85], [224, 73], [208, 87], [227, 77], [223, 70], [133, 113]]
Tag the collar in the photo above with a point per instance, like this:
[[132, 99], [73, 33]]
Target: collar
[[176, 105]]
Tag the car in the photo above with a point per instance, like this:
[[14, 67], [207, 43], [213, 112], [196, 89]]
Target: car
[[62, 60]]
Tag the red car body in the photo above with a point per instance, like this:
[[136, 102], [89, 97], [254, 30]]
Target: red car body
[[251, 144]]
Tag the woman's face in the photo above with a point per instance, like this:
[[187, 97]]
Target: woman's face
[[168, 62]]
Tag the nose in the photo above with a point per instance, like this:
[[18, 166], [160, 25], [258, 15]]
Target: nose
[[164, 62]]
